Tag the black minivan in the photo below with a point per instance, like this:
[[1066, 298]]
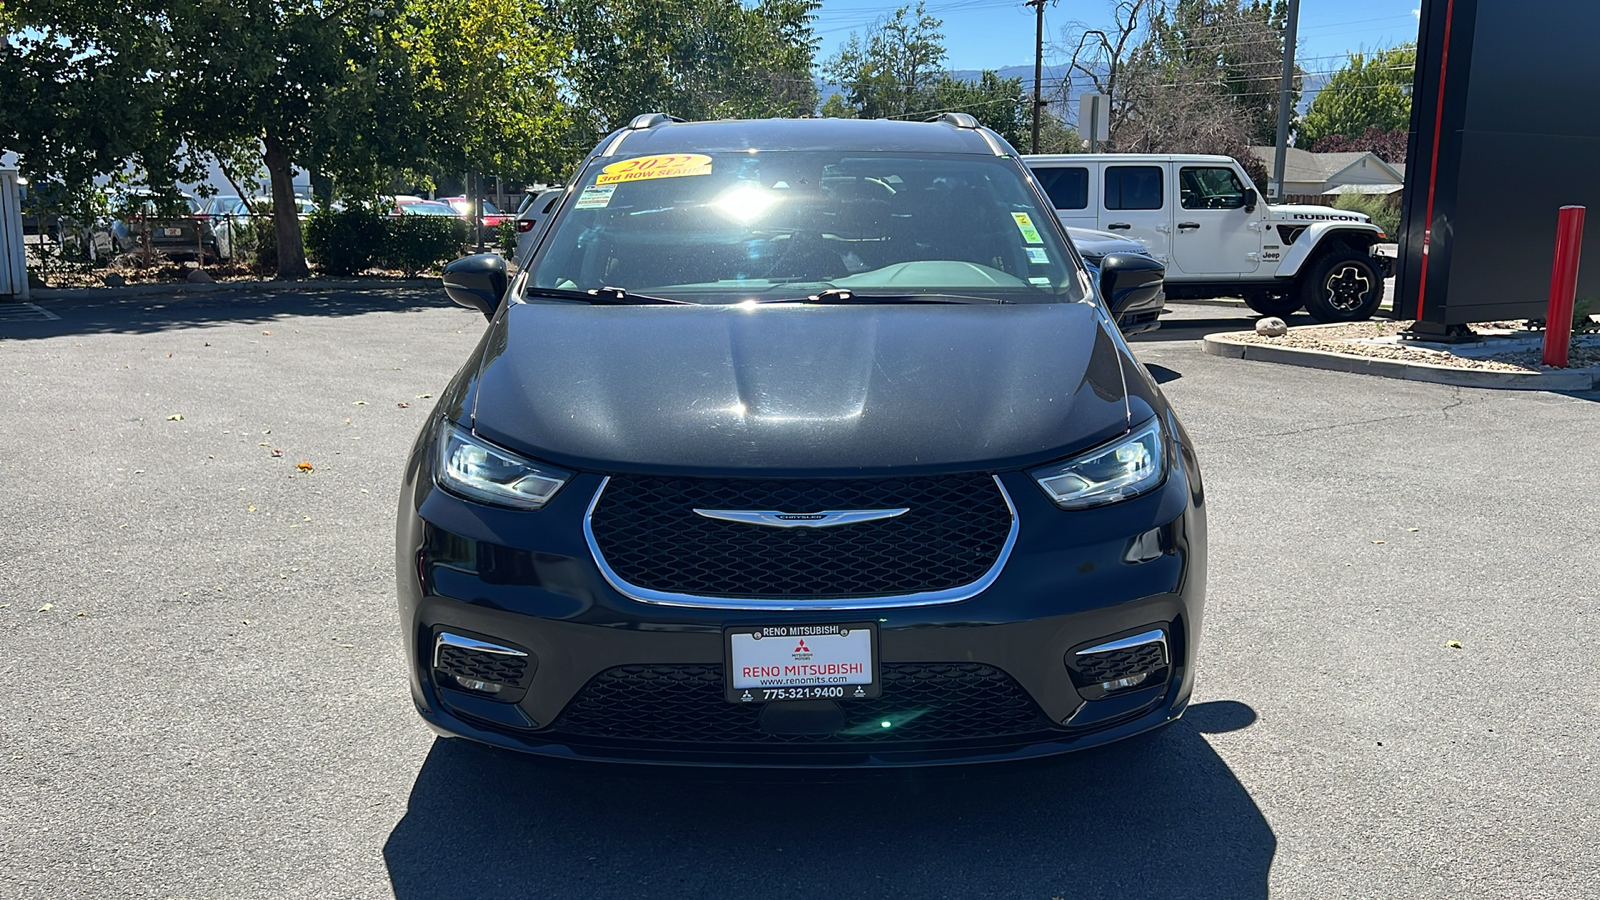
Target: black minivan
[[802, 443]]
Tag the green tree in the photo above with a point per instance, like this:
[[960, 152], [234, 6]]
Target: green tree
[[1370, 92], [352, 90], [996, 102], [695, 59], [836, 107], [893, 71], [1234, 47], [83, 97]]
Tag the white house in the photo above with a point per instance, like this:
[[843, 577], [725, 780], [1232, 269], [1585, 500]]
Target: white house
[[1307, 174]]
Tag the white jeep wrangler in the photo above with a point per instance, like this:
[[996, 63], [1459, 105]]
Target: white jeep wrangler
[[1198, 215]]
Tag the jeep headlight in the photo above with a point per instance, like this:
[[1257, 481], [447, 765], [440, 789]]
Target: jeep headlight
[[1127, 467], [478, 470]]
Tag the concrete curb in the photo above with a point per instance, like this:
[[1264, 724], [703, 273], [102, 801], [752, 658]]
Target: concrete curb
[[1386, 311], [143, 290], [1571, 380]]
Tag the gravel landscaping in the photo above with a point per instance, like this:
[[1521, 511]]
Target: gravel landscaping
[[1506, 347]]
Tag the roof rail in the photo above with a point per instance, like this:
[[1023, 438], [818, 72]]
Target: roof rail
[[651, 120], [958, 119]]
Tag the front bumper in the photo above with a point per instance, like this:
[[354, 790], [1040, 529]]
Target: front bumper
[[528, 580]]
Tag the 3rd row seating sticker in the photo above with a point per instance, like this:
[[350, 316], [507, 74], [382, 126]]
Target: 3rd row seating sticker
[[1025, 225], [645, 168]]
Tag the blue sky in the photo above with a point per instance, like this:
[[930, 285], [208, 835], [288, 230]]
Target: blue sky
[[989, 34]]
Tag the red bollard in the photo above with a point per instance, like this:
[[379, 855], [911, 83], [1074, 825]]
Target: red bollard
[[1563, 286]]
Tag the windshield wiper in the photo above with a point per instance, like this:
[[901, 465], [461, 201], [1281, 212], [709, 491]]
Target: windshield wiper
[[606, 296], [845, 295]]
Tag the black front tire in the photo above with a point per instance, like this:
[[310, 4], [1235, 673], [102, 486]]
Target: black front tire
[[1342, 286], [1273, 304]]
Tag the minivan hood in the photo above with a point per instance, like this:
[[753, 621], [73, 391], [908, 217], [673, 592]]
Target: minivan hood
[[799, 389]]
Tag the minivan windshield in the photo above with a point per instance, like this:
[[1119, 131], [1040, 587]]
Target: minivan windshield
[[787, 225]]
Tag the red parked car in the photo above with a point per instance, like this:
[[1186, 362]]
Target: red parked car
[[492, 217]]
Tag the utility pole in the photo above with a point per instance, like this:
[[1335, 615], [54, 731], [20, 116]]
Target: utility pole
[[1038, 67], [1283, 100]]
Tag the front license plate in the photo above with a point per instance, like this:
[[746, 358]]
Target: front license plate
[[172, 232], [801, 662]]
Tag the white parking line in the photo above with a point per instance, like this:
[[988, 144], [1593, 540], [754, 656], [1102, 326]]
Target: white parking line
[[25, 312]]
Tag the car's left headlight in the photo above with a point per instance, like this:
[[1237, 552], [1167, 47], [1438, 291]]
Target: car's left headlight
[[479, 470], [1126, 468]]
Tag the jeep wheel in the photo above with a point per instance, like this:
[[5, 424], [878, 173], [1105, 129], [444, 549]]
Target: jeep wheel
[[1343, 286], [1268, 304]]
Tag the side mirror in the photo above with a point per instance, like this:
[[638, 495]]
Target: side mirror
[[477, 282], [1129, 281], [1251, 198]]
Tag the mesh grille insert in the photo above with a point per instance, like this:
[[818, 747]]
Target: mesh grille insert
[[646, 529], [683, 704], [476, 665], [1094, 668]]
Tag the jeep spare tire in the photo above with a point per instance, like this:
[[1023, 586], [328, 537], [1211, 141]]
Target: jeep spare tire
[[1342, 286]]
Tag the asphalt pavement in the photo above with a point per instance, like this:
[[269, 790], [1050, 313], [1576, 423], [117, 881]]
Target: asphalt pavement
[[205, 695]]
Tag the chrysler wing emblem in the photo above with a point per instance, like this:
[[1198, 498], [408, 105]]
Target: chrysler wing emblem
[[776, 519]]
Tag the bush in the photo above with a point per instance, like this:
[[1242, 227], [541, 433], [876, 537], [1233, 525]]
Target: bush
[[506, 237], [415, 243], [1385, 215], [346, 242]]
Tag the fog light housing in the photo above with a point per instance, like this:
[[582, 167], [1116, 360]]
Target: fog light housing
[[1123, 684], [1117, 666], [484, 668]]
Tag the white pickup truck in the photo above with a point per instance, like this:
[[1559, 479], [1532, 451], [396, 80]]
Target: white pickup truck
[[1198, 215]]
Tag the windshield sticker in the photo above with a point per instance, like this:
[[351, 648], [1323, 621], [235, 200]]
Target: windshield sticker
[[1025, 225], [1039, 281], [595, 197], [644, 168], [1038, 257]]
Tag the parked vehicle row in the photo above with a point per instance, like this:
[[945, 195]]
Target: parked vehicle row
[[236, 221], [167, 226]]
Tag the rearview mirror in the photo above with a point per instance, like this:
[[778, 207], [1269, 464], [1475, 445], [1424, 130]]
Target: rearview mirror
[[1251, 198], [477, 282], [1129, 281]]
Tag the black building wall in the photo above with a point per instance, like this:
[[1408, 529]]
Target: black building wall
[[1516, 137]]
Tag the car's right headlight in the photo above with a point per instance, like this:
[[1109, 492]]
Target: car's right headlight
[[1126, 468], [479, 470]]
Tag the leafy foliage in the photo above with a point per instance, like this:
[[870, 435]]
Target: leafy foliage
[[352, 91], [346, 242], [1233, 47], [695, 59], [1198, 76], [505, 238], [996, 102], [1385, 211], [893, 71], [1369, 93], [1390, 146], [896, 71], [414, 243]]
